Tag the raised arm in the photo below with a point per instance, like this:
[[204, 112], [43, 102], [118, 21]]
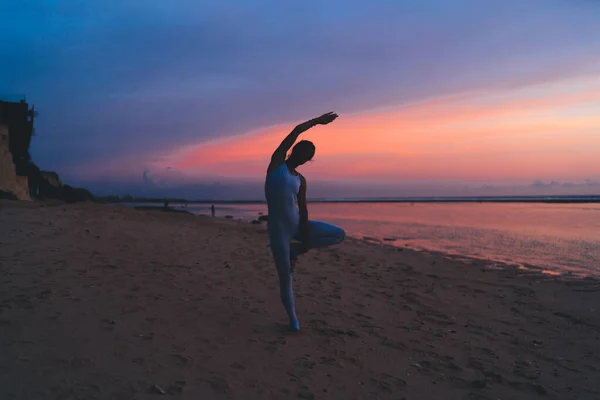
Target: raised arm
[[280, 153]]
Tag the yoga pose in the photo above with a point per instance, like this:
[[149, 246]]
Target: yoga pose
[[285, 190]]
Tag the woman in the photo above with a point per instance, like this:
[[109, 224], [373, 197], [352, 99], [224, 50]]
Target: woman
[[285, 190]]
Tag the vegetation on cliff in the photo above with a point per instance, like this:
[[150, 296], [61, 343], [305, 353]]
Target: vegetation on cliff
[[17, 118]]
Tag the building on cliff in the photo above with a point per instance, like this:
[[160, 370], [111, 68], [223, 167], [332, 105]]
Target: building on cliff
[[11, 184], [18, 118], [16, 130]]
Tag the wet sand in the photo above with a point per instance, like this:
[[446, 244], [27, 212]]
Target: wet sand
[[108, 302]]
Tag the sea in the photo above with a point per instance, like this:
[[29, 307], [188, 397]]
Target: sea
[[554, 237]]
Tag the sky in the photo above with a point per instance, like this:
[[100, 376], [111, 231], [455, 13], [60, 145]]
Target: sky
[[435, 97]]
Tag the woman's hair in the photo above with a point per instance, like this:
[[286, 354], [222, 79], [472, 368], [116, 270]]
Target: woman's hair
[[304, 150]]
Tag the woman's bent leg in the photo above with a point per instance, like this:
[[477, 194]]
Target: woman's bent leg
[[323, 234]]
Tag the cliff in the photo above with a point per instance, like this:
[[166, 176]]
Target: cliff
[[50, 187], [20, 178]]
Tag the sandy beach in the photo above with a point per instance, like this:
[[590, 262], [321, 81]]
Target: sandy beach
[[109, 302]]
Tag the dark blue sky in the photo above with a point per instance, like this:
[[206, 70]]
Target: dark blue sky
[[137, 78]]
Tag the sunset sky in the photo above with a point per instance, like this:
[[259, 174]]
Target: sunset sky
[[435, 97]]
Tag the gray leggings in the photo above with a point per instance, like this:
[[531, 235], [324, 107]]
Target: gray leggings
[[321, 235]]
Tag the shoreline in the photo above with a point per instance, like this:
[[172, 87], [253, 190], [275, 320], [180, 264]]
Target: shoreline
[[383, 241], [101, 301], [490, 264], [524, 268]]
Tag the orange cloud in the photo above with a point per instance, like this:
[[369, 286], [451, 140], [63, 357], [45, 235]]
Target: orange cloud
[[550, 130]]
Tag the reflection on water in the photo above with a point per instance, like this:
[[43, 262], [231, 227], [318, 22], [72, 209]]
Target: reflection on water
[[559, 237]]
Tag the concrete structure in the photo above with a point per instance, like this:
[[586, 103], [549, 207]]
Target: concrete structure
[[9, 180], [16, 119]]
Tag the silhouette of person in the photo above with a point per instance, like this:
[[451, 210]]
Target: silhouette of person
[[285, 191], [212, 210]]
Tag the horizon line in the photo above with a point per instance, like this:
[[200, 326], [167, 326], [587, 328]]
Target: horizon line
[[417, 199]]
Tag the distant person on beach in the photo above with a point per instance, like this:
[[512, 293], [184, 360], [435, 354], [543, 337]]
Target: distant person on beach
[[285, 190], [212, 210]]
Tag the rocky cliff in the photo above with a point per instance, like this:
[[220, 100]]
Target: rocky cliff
[[11, 185], [20, 178], [50, 187]]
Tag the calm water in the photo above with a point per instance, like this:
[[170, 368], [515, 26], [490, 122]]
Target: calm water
[[557, 237]]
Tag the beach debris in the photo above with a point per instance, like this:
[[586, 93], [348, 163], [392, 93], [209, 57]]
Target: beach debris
[[255, 222], [263, 218], [371, 239], [156, 389], [296, 377]]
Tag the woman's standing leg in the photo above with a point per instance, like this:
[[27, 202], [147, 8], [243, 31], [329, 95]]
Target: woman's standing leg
[[280, 247]]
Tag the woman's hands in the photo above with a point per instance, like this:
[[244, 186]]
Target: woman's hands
[[325, 118]]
